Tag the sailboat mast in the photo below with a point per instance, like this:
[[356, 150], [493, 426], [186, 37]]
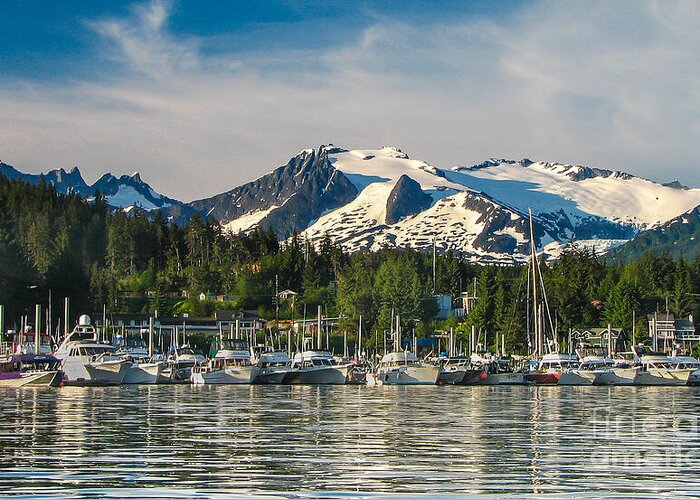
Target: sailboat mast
[[533, 252], [359, 339]]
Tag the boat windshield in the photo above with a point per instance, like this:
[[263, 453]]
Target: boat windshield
[[185, 351], [129, 342], [235, 344], [94, 350], [324, 362]]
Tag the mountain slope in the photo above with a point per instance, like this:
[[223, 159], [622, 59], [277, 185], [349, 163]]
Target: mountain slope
[[679, 237], [287, 199]]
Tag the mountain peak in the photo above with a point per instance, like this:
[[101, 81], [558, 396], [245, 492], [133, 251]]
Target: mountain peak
[[394, 152], [136, 177]]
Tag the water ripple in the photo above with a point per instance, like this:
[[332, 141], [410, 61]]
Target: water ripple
[[298, 442]]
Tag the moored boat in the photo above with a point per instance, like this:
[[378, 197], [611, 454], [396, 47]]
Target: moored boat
[[550, 368], [30, 370], [231, 365], [658, 369], [460, 371], [144, 368], [85, 361], [404, 368], [498, 370], [270, 368], [315, 367]]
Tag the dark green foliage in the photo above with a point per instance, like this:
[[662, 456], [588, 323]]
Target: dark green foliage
[[133, 264]]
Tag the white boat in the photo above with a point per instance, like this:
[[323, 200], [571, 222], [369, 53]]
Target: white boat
[[403, 368], [587, 372], [662, 370], [315, 367], [550, 368], [30, 370], [85, 361], [271, 368], [144, 369], [498, 370], [690, 362], [231, 365]]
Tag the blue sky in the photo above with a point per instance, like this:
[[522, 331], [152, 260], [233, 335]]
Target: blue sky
[[202, 96]]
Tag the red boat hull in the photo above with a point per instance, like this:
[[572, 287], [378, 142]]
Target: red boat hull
[[542, 378]]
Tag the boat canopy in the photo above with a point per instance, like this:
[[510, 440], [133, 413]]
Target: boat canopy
[[400, 357]]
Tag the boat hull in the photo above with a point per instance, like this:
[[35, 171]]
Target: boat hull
[[229, 375], [577, 377], [267, 377], [407, 375], [327, 375], [507, 378], [143, 373], [31, 379], [461, 377], [616, 376], [542, 378], [662, 376], [98, 373]]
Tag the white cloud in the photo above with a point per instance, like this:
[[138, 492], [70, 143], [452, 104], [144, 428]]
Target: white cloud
[[607, 84]]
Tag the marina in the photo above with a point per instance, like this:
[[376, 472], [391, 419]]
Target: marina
[[210, 442]]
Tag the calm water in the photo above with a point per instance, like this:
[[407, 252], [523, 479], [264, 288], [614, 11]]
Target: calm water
[[170, 441]]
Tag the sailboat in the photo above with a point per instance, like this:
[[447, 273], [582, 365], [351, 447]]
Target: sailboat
[[547, 368]]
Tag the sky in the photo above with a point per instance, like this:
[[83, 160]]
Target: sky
[[201, 96]]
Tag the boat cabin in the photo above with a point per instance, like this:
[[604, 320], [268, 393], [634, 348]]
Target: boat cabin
[[313, 358], [558, 361], [399, 358]]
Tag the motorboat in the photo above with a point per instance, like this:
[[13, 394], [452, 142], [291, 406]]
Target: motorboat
[[30, 370], [587, 372], [549, 369], [231, 365], [614, 372], [690, 362], [270, 368], [315, 367], [145, 369], [658, 369], [498, 370], [85, 361], [459, 370], [180, 362], [404, 368]]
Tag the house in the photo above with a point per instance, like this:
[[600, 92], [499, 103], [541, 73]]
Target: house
[[445, 309], [287, 294], [207, 296], [666, 332], [597, 339]]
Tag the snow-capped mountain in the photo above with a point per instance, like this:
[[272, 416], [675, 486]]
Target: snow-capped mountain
[[123, 192], [369, 198], [366, 199]]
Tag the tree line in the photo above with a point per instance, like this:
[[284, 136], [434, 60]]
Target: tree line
[[134, 263]]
